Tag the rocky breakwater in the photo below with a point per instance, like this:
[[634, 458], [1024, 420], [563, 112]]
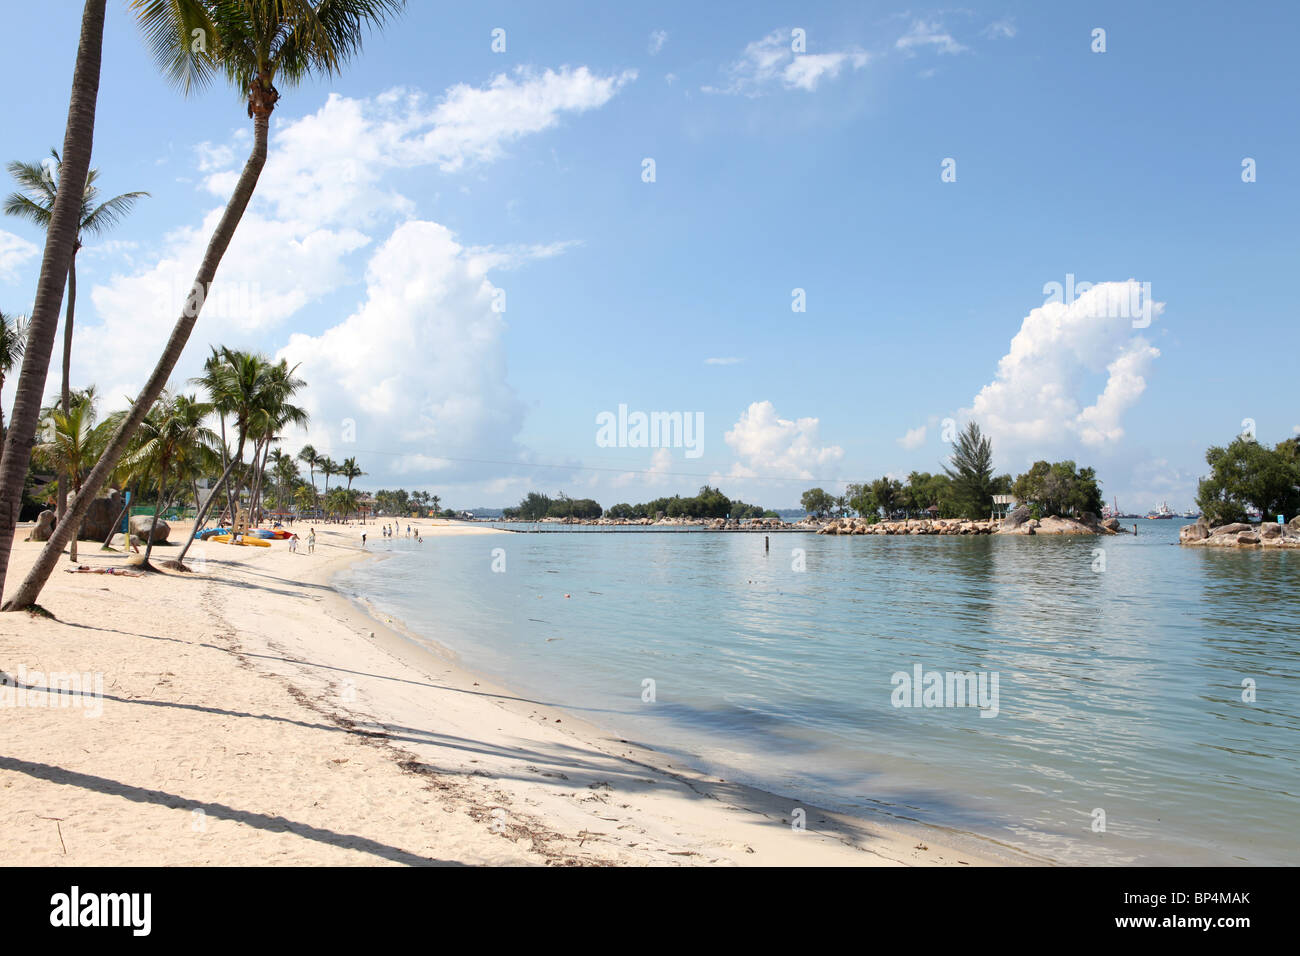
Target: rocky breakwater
[[1018, 522], [1242, 535]]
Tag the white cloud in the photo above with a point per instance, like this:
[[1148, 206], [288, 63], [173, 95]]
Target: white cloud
[[768, 445], [657, 40], [723, 361], [1001, 29], [472, 125], [320, 198], [15, 251], [770, 62], [913, 438], [419, 366], [928, 33], [1034, 398]]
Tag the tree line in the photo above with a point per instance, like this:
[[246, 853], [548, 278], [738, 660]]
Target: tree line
[[708, 503], [964, 489]]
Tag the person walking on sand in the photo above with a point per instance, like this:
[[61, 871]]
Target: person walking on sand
[[363, 539], [293, 544], [311, 541]]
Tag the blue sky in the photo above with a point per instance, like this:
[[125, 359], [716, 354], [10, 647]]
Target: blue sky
[[403, 198]]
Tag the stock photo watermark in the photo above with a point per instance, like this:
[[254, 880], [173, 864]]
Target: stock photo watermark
[[934, 689], [53, 690], [651, 430]]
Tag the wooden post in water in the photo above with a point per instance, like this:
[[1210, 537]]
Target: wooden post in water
[[767, 544], [1135, 529]]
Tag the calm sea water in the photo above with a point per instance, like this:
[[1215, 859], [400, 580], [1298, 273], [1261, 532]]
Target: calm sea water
[[1119, 685]]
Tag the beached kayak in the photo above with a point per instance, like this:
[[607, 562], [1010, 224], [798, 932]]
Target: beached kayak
[[251, 542]]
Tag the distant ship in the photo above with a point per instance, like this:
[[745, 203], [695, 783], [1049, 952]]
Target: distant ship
[[1191, 513], [1112, 511], [1160, 513]]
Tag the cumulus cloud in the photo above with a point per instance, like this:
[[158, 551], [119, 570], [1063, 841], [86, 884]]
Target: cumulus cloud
[[928, 34], [419, 366], [15, 252], [657, 40], [322, 196], [768, 445], [1035, 396], [771, 63], [913, 438]]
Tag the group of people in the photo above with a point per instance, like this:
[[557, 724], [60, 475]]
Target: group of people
[[394, 531]]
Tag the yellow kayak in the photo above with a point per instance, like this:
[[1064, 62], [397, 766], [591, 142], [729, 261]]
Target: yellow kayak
[[253, 542]]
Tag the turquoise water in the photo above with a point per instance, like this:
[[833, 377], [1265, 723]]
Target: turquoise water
[[1118, 689]]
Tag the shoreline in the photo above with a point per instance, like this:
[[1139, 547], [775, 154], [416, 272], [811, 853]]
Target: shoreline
[[332, 737]]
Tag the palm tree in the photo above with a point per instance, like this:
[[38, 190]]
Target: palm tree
[[254, 393], [71, 442], [34, 201], [13, 338], [328, 466], [311, 458], [174, 442], [254, 43], [60, 237], [436, 501]]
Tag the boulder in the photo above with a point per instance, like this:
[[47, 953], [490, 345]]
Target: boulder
[[100, 518], [1111, 524], [1194, 532], [1247, 538], [1270, 531], [44, 526], [1234, 528], [1016, 518], [143, 527]]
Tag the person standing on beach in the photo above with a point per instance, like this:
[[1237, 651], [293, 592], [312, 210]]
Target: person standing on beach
[[363, 539], [311, 541]]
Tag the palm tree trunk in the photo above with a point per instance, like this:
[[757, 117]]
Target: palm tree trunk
[[60, 238], [157, 508], [30, 589], [126, 505], [61, 506]]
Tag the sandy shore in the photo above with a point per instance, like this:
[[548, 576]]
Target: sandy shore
[[250, 714]]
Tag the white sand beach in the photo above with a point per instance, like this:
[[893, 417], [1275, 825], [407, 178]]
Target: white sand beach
[[251, 715]]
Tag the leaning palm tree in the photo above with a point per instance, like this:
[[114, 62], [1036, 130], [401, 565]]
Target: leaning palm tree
[[38, 185], [60, 237], [13, 338], [253, 43]]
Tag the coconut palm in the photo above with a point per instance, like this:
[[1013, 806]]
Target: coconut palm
[[72, 441], [254, 43], [13, 338], [328, 466], [175, 446], [253, 393], [311, 458], [60, 237], [38, 185]]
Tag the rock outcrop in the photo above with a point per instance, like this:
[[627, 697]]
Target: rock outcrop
[[100, 518], [144, 526], [44, 526], [1241, 535]]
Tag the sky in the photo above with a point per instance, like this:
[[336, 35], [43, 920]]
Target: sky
[[828, 235]]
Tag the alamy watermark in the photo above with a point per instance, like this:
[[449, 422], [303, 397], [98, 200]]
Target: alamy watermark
[[53, 689], [1137, 304], [651, 430], [922, 688]]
